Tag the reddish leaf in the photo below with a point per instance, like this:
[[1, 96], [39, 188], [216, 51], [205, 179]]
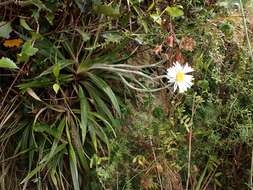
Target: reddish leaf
[[179, 57], [170, 40], [158, 49]]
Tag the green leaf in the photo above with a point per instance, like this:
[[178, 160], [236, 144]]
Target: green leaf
[[93, 137], [85, 36], [83, 157], [106, 88], [61, 63], [99, 104], [49, 50], [42, 127], [84, 113], [56, 70], [50, 18], [55, 149], [27, 51], [25, 25], [5, 62], [32, 173], [200, 181], [104, 121], [81, 4], [204, 84], [112, 37], [60, 128], [44, 82], [5, 29], [39, 4], [174, 11], [107, 10], [56, 87], [53, 177], [157, 18], [72, 162], [98, 131]]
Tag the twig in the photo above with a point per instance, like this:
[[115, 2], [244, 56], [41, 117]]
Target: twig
[[9, 89], [190, 144], [7, 2], [158, 174], [209, 178]]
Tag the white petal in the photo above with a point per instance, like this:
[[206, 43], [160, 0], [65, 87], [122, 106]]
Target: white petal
[[187, 69], [178, 67], [188, 78], [188, 84], [181, 87], [184, 89], [175, 87], [171, 78], [171, 72], [171, 75]]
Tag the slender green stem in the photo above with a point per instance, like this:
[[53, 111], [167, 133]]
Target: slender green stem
[[251, 171], [142, 89], [246, 30], [251, 55], [189, 159]]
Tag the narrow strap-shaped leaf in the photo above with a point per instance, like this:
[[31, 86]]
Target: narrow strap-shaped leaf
[[99, 104], [83, 157], [55, 149], [53, 177], [93, 136], [101, 134], [104, 121], [72, 162], [107, 89], [32, 173], [84, 113], [62, 63]]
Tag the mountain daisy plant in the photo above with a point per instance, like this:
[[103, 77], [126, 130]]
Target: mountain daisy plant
[[178, 75]]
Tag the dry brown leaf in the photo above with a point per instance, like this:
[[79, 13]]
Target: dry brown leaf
[[187, 44], [147, 182]]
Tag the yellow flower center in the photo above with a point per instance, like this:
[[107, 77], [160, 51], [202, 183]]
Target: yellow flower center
[[180, 76]]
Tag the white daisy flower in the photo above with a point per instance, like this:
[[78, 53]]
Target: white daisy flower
[[178, 76]]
